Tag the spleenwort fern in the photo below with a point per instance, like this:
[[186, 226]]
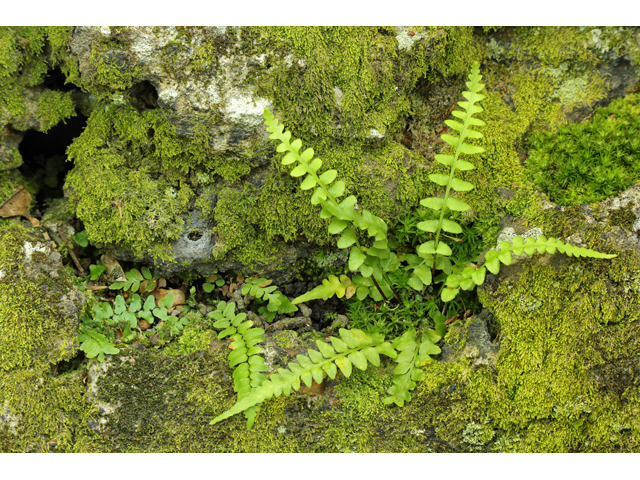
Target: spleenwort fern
[[353, 348], [412, 357], [371, 257], [261, 288], [245, 357]]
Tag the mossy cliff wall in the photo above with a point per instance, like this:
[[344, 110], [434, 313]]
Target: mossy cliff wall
[[173, 167]]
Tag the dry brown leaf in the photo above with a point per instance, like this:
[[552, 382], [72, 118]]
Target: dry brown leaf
[[240, 278], [350, 292], [18, 205]]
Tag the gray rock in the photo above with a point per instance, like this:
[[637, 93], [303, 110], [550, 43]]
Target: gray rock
[[475, 344]]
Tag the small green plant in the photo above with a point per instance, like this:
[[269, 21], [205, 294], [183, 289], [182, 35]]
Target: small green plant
[[212, 282], [95, 344], [95, 271], [125, 315], [589, 161], [370, 255], [133, 279], [81, 238], [249, 365], [262, 289]]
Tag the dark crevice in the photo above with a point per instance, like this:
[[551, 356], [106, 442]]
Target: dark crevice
[[143, 96], [44, 156], [55, 80]]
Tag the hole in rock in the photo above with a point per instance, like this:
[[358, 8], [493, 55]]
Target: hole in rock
[[55, 81], [194, 236], [44, 156], [144, 96]]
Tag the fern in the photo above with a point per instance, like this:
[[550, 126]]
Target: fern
[[413, 355], [245, 357], [261, 288], [353, 348], [376, 260], [95, 344]]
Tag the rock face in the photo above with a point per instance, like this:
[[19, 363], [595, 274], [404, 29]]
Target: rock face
[[174, 170]]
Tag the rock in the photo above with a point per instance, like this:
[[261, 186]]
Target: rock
[[474, 344]]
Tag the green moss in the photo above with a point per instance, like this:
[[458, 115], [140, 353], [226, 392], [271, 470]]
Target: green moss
[[23, 63], [45, 413], [623, 217], [32, 329], [589, 161], [55, 107]]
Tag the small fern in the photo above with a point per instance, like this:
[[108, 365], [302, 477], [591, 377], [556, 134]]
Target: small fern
[[353, 348], [261, 288], [245, 357], [412, 357], [95, 344]]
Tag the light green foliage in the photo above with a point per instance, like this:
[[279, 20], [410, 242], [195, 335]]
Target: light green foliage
[[413, 355], [133, 279], [249, 365], [377, 261], [81, 238], [95, 271], [353, 348], [95, 344], [590, 161], [125, 314], [261, 288]]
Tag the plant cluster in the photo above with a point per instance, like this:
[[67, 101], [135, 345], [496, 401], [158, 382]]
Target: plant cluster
[[432, 269], [590, 161]]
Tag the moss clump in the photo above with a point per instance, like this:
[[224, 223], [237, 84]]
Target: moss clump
[[24, 63], [54, 107], [589, 161], [35, 324], [45, 413]]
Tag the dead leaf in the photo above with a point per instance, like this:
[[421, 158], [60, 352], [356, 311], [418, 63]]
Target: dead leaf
[[178, 296], [18, 205], [350, 292]]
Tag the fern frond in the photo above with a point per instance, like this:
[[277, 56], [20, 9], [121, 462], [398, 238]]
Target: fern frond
[[95, 344], [346, 216], [413, 355], [430, 250], [353, 348], [245, 357], [472, 276]]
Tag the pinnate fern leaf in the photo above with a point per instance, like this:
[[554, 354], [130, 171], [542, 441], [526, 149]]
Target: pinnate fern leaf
[[352, 348], [413, 355], [245, 357]]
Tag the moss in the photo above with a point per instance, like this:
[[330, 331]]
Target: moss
[[54, 107], [589, 161], [24, 63], [32, 329], [623, 217], [40, 412]]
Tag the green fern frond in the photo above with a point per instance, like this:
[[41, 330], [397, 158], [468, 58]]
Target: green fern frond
[[95, 344], [347, 218], [277, 302], [413, 355], [245, 357], [353, 348], [429, 251], [472, 276]]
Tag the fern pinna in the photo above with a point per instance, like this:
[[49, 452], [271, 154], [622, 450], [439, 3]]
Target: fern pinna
[[373, 259]]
